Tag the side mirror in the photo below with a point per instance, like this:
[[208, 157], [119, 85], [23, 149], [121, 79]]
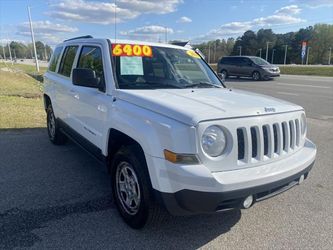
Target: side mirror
[[85, 78]]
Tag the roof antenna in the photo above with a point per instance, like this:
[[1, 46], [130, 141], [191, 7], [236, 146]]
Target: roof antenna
[[115, 20]]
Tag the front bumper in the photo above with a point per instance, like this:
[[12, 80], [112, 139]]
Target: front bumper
[[268, 74], [191, 189], [186, 202]]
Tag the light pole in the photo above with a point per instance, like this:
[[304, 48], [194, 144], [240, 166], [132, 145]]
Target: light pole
[[267, 43], [240, 50], [3, 51], [307, 56], [273, 55], [329, 56], [33, 39], [285, 54], [10, 53]]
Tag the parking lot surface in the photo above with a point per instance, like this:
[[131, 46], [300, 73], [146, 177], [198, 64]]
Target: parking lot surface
[[59, 197]]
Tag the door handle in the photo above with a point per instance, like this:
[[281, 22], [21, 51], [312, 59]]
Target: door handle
[[74, 94]]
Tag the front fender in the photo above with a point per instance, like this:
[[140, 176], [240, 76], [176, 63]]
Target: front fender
[[154, 133]]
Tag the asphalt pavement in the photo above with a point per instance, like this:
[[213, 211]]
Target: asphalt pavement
[[58, 197]]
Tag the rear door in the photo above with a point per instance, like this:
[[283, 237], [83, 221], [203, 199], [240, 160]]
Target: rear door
[[245, 66], [235, 66], [64, 91]]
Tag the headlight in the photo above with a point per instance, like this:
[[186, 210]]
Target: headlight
[[303, 124], [213, 141]]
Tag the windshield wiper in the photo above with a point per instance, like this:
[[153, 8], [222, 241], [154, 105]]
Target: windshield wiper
[[202, 84]]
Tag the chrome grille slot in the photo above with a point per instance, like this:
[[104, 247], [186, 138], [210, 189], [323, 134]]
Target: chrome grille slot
[[275, 132], [241, 143], [266, 139], [298, 131], [292, 134], [254, 139]]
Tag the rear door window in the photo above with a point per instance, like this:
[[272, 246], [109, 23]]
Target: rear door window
[[54, 59], [67, 60], [237, 61]]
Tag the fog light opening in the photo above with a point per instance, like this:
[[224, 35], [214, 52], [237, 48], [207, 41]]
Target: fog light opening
[[301, 179], [248, 201]]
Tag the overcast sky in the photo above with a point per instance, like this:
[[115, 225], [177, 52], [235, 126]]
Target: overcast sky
[[195, 20]]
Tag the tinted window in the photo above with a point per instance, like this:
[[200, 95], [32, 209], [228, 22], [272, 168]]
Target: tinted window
[[55, 58], [91, 58], [245, 61], [67, 60], [236, 60], [225, 60]]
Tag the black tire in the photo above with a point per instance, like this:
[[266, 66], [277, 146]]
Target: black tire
[[146, 211], [55, 135], [256, 76], [225, 73]]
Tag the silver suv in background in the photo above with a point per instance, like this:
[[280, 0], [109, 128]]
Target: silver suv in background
[[248, 66]]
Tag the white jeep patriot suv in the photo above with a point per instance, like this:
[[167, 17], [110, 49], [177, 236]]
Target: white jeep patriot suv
[[171, 134]]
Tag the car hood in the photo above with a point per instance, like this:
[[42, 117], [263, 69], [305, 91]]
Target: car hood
[[192, 106]]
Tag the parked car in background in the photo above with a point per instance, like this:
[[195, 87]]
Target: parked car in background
[[247, 66]]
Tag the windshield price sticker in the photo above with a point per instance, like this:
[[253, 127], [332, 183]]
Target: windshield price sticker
[[131, 50], [192, 53]]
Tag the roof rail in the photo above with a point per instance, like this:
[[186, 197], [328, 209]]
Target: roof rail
[[79, 37], [182, 44]]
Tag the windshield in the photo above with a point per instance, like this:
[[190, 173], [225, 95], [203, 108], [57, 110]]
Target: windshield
[[159, 67], [259, 61]]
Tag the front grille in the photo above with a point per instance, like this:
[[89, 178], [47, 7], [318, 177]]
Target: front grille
[[268, 141]]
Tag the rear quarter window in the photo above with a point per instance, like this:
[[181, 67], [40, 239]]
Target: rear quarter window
[[54, 60]]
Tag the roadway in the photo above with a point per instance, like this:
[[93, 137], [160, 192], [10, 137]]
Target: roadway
[[59, 197]]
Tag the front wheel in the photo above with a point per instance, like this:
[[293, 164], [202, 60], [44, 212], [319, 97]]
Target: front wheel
[[256, 76], [224, 74], [131, 188]]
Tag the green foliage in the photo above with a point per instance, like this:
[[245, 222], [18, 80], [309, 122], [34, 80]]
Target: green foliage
[[319, 38], [214, 50], [21, 50]]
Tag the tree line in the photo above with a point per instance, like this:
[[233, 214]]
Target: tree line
[[319, 40], [25, 51]]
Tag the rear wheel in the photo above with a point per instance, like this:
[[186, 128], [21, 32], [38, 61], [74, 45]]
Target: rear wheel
[[256, 76], [131, 188], [55, 135]]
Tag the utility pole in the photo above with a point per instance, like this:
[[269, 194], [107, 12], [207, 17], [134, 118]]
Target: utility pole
[[3, 51], [267, 43], [166, 34], [285, 54], [208, 52], [45, 52], [33, 39], [260, 52], [329, 56], [215, 51], [307, 56], [273, 55], [240, 50], [10, 53]]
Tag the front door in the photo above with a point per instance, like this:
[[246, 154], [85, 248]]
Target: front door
[[90, 109]]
